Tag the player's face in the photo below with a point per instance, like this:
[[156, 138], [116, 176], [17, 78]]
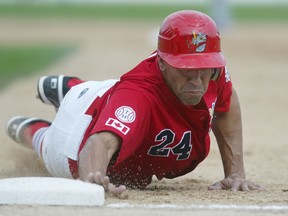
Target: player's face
[[189, 85]]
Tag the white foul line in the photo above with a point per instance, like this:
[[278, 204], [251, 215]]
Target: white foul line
[[270, 208]]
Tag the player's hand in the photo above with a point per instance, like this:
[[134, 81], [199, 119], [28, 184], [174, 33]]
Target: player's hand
[[99, 179], [235, 183]]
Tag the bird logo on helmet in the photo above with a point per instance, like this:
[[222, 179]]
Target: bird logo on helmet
[[198, 40]]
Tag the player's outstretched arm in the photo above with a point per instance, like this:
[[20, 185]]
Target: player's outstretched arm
[[94, 160], [227, 128]]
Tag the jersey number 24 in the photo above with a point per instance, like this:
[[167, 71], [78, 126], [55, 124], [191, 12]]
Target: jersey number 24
[[166, 138]]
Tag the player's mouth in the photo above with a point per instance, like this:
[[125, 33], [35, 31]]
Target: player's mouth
[[194, 92]]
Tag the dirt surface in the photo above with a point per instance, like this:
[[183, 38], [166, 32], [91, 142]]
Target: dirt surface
[[257, 58]]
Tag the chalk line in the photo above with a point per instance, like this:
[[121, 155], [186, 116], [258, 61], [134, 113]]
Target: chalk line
[[266, 208]]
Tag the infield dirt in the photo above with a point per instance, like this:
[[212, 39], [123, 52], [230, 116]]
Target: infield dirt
[[256, 56]]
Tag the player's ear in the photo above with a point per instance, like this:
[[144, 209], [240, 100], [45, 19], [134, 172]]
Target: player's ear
[[216, 74], [161, 63]]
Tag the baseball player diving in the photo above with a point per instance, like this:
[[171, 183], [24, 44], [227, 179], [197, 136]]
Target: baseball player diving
[[153, 121]]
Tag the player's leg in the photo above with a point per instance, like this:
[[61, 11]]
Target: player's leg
[[52, 89], [28, 132], [47, 140], [59, 143]]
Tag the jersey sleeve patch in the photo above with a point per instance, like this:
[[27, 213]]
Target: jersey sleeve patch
[[125, 114], [117, 125]]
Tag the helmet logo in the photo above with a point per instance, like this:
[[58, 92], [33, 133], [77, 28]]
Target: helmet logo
[[198, 40]]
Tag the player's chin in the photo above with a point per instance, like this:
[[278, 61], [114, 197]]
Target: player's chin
[[193, 100]]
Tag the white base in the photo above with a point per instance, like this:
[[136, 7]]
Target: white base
[[50, 191]]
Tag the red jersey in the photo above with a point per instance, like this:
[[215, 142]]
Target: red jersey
[[160, 135]]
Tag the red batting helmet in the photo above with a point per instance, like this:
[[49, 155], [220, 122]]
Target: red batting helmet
[[190, 39]]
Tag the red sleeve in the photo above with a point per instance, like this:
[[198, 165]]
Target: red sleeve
[[224, 91], [127, 114]]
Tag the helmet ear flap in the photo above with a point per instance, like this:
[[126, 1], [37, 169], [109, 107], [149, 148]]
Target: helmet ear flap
[[216, 74]]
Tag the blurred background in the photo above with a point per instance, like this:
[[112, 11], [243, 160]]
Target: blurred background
[[28, 47]]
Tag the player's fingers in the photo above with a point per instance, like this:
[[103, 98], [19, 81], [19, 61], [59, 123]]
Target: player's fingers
[[111, 187], [255, 187], [98, 179], [106, 183], [89, 178], [235, 186], [118, 191], [216, 186], [244, 187]]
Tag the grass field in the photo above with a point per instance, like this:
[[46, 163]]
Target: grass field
[[150, 12], [22, 61]]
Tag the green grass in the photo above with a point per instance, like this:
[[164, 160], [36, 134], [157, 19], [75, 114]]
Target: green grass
[[258, 14], [17, 62], [138, 12]]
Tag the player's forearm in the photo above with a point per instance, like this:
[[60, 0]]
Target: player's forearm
[[232, 157], [96, 155], [227, 128]]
